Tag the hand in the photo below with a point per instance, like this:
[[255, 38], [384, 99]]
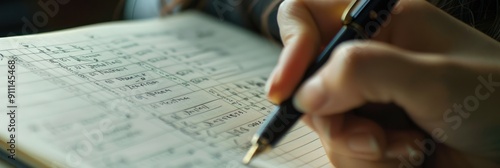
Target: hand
[[442, 72]]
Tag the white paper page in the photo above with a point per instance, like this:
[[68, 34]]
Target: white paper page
[[185, 91]]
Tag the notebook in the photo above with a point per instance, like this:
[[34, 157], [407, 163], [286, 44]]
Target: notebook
[[182, 91]]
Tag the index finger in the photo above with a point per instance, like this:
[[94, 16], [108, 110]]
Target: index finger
[[303, 31]]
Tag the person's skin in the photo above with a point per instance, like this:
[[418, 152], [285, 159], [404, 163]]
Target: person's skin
[[423, 60]]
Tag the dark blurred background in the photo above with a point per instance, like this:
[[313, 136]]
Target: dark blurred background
[[19, 17]]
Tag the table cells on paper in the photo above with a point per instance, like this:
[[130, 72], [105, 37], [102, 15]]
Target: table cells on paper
[[183, 72], [87, 58], [121, 74], [111, 63], [133, 74], [210, 108], [197, 114], [117, 136], [164, 93], [160, 61], [142, 86], [195, 55], [229, 120], [182, 102]]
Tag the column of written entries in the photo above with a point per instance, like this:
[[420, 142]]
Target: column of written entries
[[209, 101]]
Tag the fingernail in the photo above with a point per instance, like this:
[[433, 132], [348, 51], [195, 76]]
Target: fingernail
[[363, 143], [311, 96], [269, 83]]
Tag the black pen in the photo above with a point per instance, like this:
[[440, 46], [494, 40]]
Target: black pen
[[361, 20]]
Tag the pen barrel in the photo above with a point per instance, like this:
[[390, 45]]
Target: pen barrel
[[370, 15], [278, 123]]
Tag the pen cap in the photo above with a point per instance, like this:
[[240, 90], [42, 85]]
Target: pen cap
[[369, 15]]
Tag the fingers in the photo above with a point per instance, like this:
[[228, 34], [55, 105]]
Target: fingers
[[403, 144], [357, 137], [358, 73], [400, 152], [425, 85], [340, 161], [361, 72], [430, 88], [353, 141], [414, 26], [302, 40]]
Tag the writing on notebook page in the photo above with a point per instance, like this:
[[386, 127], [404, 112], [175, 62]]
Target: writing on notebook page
[[187, 95]]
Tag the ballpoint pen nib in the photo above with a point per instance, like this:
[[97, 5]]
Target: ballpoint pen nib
[[254, 150]]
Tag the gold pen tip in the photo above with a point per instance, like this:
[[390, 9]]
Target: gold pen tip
[[253, 151]]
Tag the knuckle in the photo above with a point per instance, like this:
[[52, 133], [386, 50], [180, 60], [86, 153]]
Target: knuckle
[[344, 65], [287, 37], [412, 7], [349, 64], [286, 8], [351, 56], [287, 18], [283, 6]]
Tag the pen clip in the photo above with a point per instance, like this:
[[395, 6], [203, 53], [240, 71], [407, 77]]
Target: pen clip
[[346, 17]]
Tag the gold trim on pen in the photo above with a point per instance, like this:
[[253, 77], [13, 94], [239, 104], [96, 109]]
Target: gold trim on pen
[[346, 17]]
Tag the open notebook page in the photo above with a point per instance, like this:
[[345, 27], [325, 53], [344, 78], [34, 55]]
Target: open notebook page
[[185, 91]]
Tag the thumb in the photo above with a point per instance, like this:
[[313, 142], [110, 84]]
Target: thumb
[[302, 38], [369, 71]]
